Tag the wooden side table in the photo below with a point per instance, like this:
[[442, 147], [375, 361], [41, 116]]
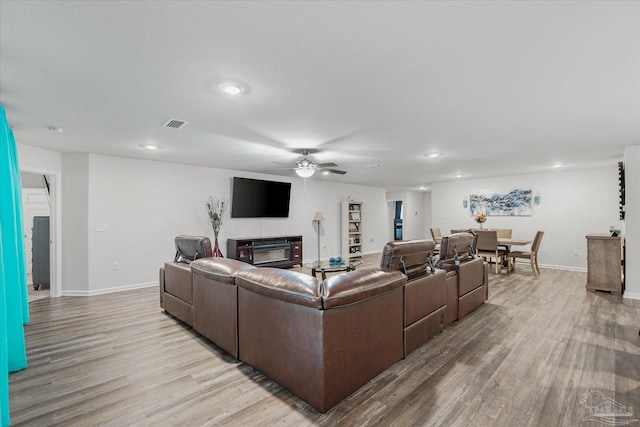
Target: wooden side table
[[604, 263]]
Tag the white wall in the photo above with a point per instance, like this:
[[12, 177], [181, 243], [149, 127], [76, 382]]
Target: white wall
[[413, 212], [573, 204], [632, 221], [413, 223], [75, 214], [38, 160], [428, 213], [145, 204]]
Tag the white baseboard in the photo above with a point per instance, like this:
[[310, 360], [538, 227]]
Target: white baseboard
[[71, 293], [630, 295], [560, 267]]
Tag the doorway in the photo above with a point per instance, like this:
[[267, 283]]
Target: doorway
[[36, 204], [397, 220]]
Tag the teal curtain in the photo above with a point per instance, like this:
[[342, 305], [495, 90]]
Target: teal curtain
[[14, 304]]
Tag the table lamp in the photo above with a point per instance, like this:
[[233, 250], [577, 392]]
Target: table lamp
[[318, 218]]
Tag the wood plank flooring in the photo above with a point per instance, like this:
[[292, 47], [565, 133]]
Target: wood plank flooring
[[526, 357]]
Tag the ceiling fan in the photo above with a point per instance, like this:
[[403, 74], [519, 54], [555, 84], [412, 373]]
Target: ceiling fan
[[306, 167]]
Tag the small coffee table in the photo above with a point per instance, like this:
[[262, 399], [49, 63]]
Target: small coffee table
[[325, 267]]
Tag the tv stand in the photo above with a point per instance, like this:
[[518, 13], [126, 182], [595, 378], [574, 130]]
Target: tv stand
[[283, 252]]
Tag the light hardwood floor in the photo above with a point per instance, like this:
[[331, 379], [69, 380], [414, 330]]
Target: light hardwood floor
[[526, 357]]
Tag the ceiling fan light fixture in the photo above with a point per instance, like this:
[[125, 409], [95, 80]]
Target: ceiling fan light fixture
[[305, 172]]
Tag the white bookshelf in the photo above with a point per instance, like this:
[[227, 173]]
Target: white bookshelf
[[352, 240]]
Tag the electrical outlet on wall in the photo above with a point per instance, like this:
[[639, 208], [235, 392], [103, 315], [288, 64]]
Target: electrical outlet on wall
[[576, 253], [116, 266]]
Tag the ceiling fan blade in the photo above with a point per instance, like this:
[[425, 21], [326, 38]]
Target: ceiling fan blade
[[339, 172], [285, 164], [326, 165]]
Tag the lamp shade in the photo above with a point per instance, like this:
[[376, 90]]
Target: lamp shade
[[318, 217]]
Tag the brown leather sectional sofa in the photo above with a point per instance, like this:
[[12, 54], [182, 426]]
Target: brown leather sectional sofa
[[323, 340]]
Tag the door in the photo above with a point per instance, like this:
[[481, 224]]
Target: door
[[397, 221], [40, 249], [34, 203]]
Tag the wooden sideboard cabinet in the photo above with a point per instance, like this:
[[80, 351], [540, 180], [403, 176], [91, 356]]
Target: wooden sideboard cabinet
[[604, 263]]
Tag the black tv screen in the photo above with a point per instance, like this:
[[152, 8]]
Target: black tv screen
[[256, 198]]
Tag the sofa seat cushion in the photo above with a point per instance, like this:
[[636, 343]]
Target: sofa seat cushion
[[285, 285], [222, 270], [359, 285]]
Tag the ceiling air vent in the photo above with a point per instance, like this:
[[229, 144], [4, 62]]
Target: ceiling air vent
[[175, 124]]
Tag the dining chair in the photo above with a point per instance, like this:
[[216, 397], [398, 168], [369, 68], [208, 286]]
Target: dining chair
[[460, 230], [436, 235], [532, 255], [487, 248], [437, 238], [504, 233]]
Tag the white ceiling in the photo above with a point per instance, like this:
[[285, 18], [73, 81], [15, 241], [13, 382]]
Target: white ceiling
[[498, 88]]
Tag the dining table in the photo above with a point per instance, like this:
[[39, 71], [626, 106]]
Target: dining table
[[504, 241]]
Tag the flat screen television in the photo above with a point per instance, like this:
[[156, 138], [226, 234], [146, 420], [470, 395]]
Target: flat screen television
[[257, 198]]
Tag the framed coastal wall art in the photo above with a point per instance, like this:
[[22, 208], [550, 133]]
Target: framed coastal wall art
[[513, 203]]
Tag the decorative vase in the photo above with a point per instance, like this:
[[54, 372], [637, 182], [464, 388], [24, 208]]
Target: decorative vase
[[216, 248], [481, 228]]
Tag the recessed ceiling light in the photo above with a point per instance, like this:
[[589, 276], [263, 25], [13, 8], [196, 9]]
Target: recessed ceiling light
[[459, 175], [325, 172], [232, 88], [558, 166], [150, 147], [433, 155]]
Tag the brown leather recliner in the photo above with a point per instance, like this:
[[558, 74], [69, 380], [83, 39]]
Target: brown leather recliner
[[457, 253], [215, 300], [176, 287], [320, 340], [425, 304]]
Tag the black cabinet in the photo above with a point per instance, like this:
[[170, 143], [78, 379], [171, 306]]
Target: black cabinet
[[267, 251]]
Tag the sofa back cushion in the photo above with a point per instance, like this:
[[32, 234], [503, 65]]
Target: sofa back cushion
[[360, 285], [222, 270], [409, 256], [285, 285]]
